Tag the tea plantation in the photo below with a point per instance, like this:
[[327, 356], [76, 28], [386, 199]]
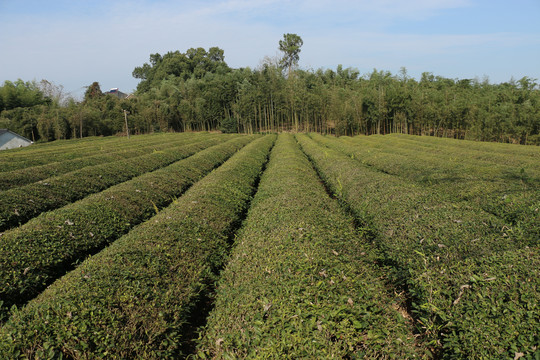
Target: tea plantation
[[289, 246]]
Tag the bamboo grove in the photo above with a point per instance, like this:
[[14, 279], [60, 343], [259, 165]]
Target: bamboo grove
[[197, 90]]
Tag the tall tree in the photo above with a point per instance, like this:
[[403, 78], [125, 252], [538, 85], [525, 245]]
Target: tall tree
[[93, 92], [290, 46], [21, 94]]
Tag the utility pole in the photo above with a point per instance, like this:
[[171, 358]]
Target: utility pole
[[80, 121], [125, 117]]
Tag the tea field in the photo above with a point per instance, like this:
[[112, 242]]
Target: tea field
[[289, 246]]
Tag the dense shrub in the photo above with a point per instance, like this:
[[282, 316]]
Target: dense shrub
[[504, 181], [35, 254], [439, 249], [302, 282], [62, 150], [31, 174], [135, 298], [23, 203]]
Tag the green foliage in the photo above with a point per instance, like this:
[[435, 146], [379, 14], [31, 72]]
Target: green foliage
[[442, 241], [290, 46], [27, 174], [64, 150], [495, 314], [429, 249], [67, 235], [229, 126], [533, 139], [20, 94], [502, 180], [23, 203], [194, 63], [93, 92], [345, 103], [302, 282], [98, 115], [198, 91], [133, 299]]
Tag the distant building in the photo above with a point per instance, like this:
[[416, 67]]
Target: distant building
[[11, 140], [117, 93]]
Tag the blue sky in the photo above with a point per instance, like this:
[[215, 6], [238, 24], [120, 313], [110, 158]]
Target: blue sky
[[74, 43]]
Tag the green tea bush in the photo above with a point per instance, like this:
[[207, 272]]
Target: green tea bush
[[477, 146], [43, 249], [135, 299], [21, 204], [302, 282], [489, 153], [432, 246], [496, 313], [63, 150], [509, 192], [425, 164], [33, 174]]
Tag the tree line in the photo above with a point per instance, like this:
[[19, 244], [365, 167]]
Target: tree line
[[198, 91]]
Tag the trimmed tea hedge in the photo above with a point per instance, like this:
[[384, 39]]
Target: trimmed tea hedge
[[35, 254], [416, 247], [33, 174], [430, 166], [135, 299], [488, 153], [302, 282], [479, 147], [62, 150], [496, 312], [21, 204], [509, 192], [434, 245]]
